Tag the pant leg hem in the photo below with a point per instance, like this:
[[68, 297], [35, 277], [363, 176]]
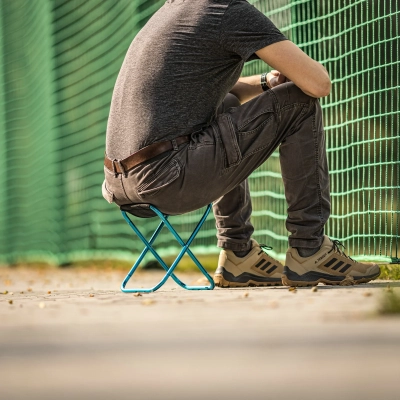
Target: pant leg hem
[[307, 244], [234, 246]]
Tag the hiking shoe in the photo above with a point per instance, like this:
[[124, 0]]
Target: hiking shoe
[[257, 268], [328, 265]]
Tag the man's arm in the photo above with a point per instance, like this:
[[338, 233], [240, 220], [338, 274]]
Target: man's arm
[[309, 75], [293, 65], [249, 87]]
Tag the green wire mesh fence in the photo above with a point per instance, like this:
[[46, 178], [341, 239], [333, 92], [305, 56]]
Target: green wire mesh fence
[[59, 62]]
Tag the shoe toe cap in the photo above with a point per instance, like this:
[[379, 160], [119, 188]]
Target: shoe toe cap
[[373, 269]]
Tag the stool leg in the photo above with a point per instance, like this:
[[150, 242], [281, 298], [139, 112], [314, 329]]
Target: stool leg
[[186, 248], [144, 252], [169, 270]]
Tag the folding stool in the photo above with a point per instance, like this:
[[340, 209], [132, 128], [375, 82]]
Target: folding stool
[[147, 211]]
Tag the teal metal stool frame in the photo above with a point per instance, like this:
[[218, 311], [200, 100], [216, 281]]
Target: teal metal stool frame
[[169, 270]]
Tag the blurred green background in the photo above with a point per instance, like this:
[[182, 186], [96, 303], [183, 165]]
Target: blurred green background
[[59, 62]]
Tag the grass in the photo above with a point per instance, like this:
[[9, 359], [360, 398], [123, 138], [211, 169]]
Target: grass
[[185, 265], [390, 303], [390, 272]]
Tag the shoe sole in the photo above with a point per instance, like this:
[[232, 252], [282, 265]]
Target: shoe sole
[[290, 278], [220, 281]]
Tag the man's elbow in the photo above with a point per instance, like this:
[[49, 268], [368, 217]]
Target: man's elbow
[[326, 88], [322, 89]]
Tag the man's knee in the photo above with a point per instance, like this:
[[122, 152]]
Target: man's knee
[[288, 93]]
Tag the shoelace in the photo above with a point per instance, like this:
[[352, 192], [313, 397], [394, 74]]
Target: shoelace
[[335, 247], [264, 248]]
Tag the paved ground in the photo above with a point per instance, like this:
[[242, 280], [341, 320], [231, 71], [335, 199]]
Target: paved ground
[[87, 340]]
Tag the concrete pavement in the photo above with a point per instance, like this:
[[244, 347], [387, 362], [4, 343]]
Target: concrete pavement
[[71, 334]]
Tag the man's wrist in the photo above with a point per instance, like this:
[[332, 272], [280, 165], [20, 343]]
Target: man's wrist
[[264, 82]]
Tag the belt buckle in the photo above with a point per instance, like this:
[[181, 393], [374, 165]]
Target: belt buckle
[[114, 169], [118, 163]]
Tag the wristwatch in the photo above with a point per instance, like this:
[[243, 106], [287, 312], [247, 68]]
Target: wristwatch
[[264, 83]]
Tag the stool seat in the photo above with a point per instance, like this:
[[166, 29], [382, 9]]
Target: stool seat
[[148, 211], [139, 210]]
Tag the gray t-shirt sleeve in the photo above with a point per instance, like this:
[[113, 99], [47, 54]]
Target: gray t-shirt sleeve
[[245, 30]]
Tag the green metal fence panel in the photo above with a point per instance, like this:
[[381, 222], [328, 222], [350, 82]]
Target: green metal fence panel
[[358, 42], [59, 60], [28, 134], [3, 163]]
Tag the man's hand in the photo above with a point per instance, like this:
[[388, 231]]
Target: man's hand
[[275, 78], [249, 87]]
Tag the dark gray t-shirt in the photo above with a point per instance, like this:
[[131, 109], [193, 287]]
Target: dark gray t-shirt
[[179, 68]]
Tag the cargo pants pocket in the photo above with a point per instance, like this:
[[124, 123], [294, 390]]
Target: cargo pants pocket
[[233, 155], [160, 179]]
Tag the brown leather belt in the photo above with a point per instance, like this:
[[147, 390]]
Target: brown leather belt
[[147, 153]]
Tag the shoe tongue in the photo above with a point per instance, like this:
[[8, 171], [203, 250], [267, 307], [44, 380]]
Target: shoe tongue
[[327, 242]]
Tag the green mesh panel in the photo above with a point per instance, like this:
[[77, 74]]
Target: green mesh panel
[[358, 42], [59, 60], [28, 135]]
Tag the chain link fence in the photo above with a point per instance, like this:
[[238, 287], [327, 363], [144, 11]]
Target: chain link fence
[[59, 62]]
